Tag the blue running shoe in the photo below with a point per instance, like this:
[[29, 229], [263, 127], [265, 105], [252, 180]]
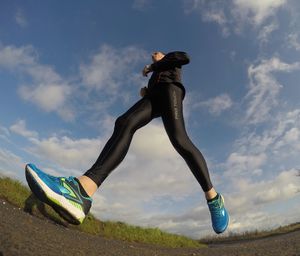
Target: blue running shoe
[[63, 194], [219, 215]]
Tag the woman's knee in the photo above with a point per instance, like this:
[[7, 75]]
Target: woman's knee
[[121, 121], [180, 142], [124, 121]]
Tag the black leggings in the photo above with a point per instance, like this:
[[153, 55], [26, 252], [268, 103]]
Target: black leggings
[[165, 101]]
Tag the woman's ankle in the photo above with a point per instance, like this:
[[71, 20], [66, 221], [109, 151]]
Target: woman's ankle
[[210, 194], [88, 185]]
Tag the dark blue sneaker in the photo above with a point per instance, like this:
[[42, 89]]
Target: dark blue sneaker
[[219, 215], [63, 194]]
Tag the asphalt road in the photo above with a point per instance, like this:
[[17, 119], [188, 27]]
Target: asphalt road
[[24, 234]]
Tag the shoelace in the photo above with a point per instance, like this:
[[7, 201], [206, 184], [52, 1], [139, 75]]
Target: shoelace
[[216, 206], [54, 178], [59, 179], [70, 179]]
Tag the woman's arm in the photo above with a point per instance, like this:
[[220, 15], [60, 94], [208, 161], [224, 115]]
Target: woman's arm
[[171, 60]]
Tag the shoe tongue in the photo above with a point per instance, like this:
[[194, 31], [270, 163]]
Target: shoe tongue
[[214, 203], [82, 190]]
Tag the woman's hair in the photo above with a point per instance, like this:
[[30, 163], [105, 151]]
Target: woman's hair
[[161, 52]]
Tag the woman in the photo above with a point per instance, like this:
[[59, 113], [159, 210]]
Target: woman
[[72, 197]]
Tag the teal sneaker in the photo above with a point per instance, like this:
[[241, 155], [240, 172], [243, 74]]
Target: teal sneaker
[[219, 215], [63, 194]]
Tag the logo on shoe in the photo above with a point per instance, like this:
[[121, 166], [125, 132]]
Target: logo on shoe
[[71, 193]]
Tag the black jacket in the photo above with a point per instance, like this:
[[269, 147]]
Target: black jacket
[[168, 70]]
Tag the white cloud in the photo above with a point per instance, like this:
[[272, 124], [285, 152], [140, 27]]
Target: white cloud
[[283, 128], [211, 11], [232, 55], [238, 164], [21, 19], [292, 135], [255, 197], [289, 140], [108, 72], [216, 105], [236, 15], [66, 152], [257, 11], [50, 97], [48, 90], [75, 155], [4, 133], [153, 142], [10, 164], [99, 84], [293, 41], [42, 73], [20, 128], [141, 4], [217, 16], [264, 89], [265, 32], [110, 67], [247, 202], [194, 222], [255, 152], [17, 57], [282, 187]]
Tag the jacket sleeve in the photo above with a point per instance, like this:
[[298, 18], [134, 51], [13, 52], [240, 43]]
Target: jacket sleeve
[[171, 60]]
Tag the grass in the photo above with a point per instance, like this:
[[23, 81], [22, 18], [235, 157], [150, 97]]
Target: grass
[[248, 235], [19, 195], [121, 230]]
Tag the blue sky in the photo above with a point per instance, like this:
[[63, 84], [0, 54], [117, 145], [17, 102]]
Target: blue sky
[[68, 69]]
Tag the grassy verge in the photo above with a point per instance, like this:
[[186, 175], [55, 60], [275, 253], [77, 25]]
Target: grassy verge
[[248, 235], [19, 195], [121, 230]]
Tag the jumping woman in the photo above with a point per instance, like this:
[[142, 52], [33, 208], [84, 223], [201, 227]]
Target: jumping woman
[[72, 197]]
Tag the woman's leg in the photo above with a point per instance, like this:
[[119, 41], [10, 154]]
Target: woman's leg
[[174, 124], [172, 116], [117, 146]]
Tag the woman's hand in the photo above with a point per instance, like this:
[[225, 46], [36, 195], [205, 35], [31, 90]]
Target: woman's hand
[[143, 91], [147, 69]]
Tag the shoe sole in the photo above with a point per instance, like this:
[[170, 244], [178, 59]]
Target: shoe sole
[[47, 196]]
